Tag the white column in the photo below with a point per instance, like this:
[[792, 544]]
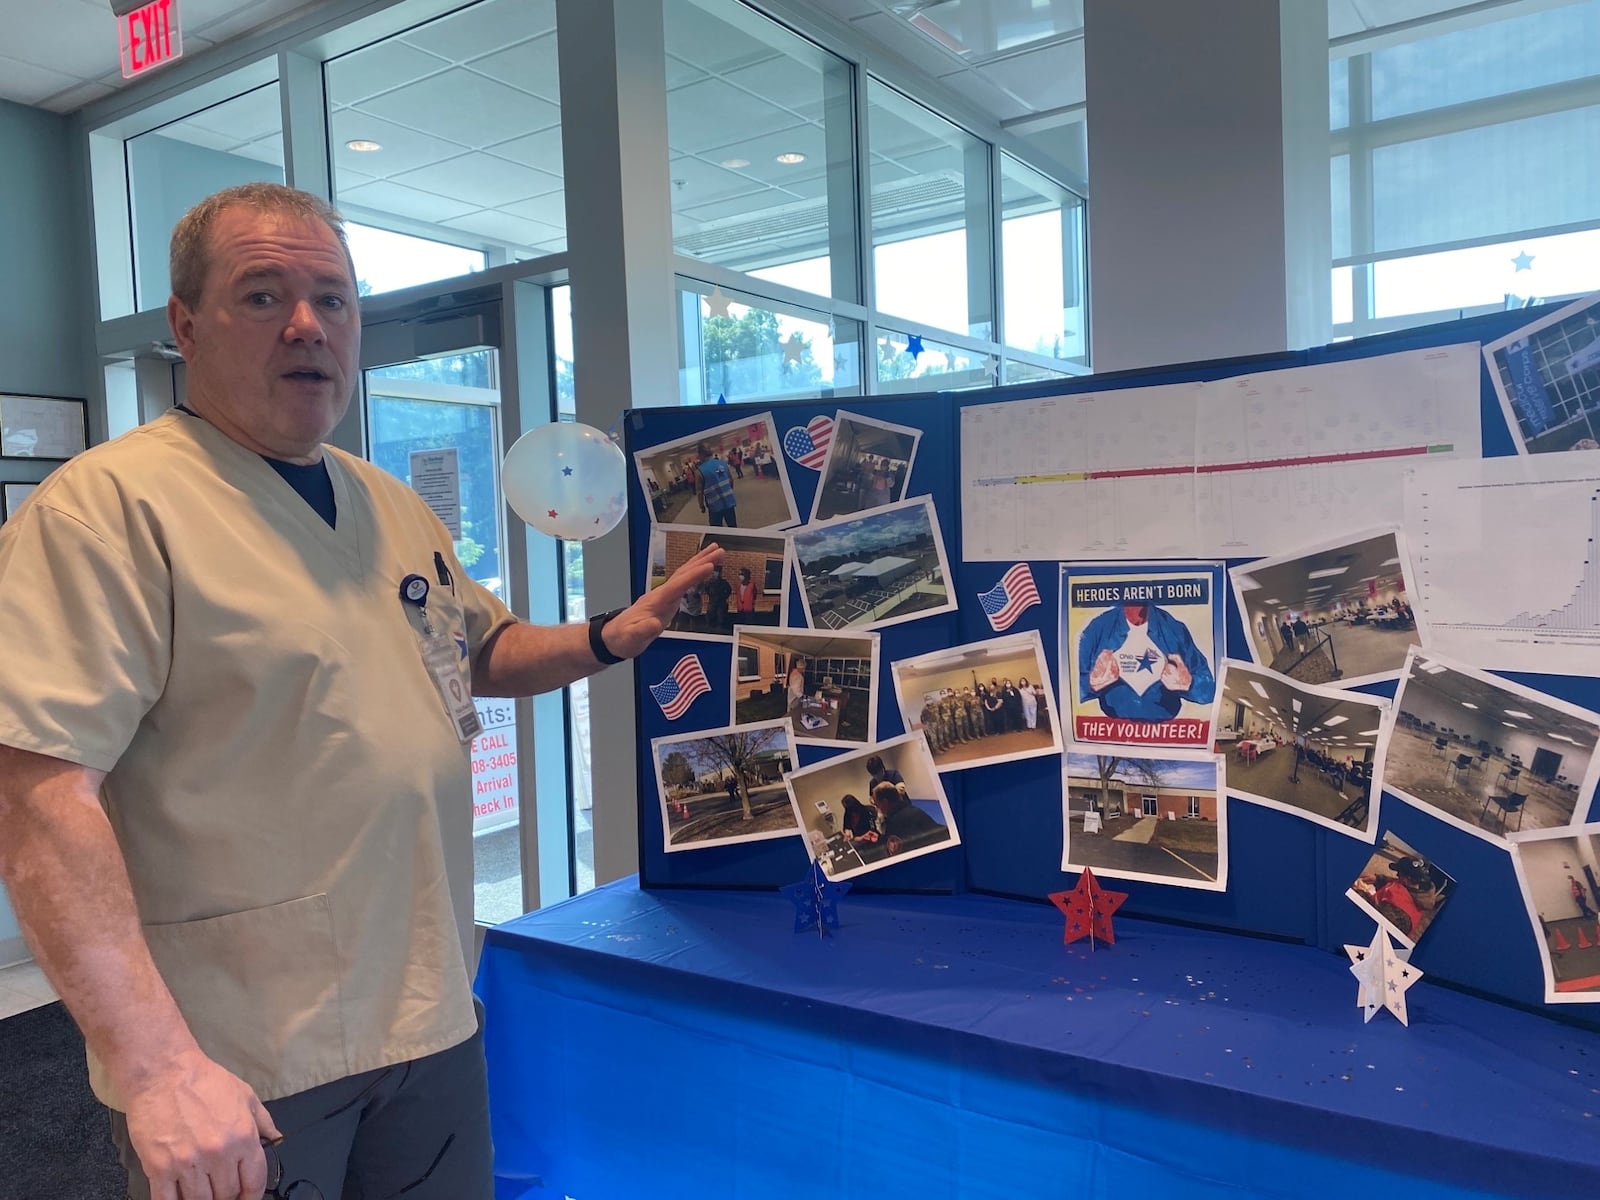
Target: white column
[[619, 247], [1189, 173]]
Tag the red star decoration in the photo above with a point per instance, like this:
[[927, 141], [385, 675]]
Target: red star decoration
[[1088, 908], [551, 512]]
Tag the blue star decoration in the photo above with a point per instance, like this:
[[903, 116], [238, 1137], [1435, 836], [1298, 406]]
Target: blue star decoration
[[1523, 261], [1148, 661], [721, 399], [816, 901], [461, 644], [913, 344], [566, 470]]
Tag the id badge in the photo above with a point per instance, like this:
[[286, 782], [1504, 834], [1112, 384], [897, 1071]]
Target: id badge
[[443, 660]]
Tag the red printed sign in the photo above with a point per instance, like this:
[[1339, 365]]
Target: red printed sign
[[150, 37]]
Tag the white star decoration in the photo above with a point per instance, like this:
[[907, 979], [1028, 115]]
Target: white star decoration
[[793, 349], [718, 303], [1384, 973]]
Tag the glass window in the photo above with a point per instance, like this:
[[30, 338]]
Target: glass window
[[386, 260], [930, 220], [1506, 274], [450, 134], [738, 351], [1041, 237], [1338, 93], [174, 167], [761, 141], [904, 358]]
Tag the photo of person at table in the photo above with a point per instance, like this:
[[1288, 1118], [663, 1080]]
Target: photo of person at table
[[1401, 889], [984, 702], [852, 825], [1559, 873], [824, 683]]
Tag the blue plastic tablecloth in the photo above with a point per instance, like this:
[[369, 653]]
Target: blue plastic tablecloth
[[690, 1044]]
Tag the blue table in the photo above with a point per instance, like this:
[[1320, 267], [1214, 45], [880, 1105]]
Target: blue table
[[687, 1043]]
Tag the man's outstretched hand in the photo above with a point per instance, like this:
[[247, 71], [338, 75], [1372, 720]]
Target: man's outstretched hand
[[635, 627]]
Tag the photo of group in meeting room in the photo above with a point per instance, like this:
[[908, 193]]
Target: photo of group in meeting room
[[1310, 751], [1337, 612], [1486, 754]]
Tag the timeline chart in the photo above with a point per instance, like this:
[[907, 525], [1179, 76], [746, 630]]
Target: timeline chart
[[1506, 563], [1271, 460]]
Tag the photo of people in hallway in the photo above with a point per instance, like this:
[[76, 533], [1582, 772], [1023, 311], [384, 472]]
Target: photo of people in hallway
[[1488, 755], [1314, 752], [1161, 820], [868, 466], [1559, 872], [864, 811], [1401, 889], [731, 477], [825, 683], [719, 787], [986, 702], [1338, 612], [750, 587]]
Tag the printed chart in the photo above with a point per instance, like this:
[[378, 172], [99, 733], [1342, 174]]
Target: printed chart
[[1506, 567], [1253, 465]]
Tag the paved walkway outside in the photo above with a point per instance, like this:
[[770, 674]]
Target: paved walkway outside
[[1142, 832]]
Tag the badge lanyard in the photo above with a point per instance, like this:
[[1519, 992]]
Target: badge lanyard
[[443, 660]]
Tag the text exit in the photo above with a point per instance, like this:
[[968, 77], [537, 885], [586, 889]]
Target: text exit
[[150, 37]]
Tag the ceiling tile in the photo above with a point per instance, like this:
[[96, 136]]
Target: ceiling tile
[[529, 65], [481, 179], [69, 39], [550, 209], [465, 108], [187, 134], [680, 73], [847, 9], [255, 114], [231, 19], [695, 182], [738, 206], [787, 82], [484, 28], [503, 227], [403, 149], [916, 48], [711, 113], [75, 98], [696, 37], [28, 84], [888, 133], [378, 68], [268, 149], [393, 199], [1042, 79], [991, 98], [541, 150], [761, 153]]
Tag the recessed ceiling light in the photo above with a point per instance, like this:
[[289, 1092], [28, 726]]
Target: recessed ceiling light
[[1327, 572], [1332, 721], [1272, 600], [1368, 733], [733, 164], [1512, 712], [1260, 691], [1296, 704], [1508, 724], [790, 157], [363, 145], [1390, 562], [1464, 704]]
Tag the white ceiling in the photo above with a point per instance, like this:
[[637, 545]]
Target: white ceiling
[[466, 109]]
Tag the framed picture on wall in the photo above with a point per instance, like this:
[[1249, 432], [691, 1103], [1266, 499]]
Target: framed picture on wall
[[47, 427], [11, 497]]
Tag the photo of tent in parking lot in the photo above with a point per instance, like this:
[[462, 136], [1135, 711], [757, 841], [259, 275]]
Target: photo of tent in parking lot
[[867, 572]]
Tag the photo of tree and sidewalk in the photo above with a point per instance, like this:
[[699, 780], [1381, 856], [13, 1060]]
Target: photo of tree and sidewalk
[[724, 786], [1155, 819]]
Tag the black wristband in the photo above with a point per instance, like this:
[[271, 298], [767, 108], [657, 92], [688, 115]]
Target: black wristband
[[597, 644]]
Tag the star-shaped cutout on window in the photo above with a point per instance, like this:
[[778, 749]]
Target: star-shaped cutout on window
[[1523, 261], [566, 470], [718, 303], [888, 351], [913, 344], [1088, 908], [793, 349]]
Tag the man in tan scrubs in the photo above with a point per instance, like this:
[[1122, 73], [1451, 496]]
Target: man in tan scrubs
[[235, 796]]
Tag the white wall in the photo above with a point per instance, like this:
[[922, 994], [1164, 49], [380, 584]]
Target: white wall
[[1547, 865]]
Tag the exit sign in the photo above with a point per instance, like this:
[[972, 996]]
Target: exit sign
[[150, 36]]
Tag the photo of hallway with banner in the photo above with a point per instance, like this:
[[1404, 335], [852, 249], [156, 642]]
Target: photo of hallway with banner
[[1340, 612], [1560, 878]]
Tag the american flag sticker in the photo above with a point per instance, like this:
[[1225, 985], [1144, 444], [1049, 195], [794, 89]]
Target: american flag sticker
[[809, 446], [1006, 600], [678, 690]]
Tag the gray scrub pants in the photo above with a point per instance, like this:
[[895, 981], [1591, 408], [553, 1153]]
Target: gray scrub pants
[[387, 1133]]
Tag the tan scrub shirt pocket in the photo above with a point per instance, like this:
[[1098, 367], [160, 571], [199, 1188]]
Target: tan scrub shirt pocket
[[259, 990]]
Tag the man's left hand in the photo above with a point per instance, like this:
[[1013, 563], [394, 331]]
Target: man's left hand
[[635, 627], [1175, 677]]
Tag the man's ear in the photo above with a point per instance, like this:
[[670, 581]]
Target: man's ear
[[182, 322]]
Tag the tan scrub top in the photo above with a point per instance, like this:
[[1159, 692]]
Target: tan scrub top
[[285, 782]]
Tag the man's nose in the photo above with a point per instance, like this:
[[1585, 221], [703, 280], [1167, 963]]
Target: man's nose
[[304, 324]]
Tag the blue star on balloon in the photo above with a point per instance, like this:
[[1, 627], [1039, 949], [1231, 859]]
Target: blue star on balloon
[[1147, 661], [566, 470], [816, 901], [1523, 261], [913, 344]]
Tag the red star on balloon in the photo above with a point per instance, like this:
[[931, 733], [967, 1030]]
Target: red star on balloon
[[1088, 908], [551, 512]]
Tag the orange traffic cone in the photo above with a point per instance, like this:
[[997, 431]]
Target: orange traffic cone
[[1561, 942], [1583, 942]]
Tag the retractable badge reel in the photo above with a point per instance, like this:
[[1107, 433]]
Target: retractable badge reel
[[443, 660]]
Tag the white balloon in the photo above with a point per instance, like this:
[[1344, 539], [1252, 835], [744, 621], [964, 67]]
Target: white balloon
[[567, 480]]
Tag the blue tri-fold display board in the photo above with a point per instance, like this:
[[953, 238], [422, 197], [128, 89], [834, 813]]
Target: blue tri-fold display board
[[1287, 877]]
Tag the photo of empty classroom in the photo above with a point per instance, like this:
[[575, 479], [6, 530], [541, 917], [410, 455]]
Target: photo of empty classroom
[[1559, 872], [1161, 820], [750, 587], [1488, 755], [723, 786], [728, 476], [1310, 751], [1340, 612], [868, 466], [870, 571], [825, 683]]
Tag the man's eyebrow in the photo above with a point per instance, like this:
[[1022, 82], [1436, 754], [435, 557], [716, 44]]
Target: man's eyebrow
[[326, 279]]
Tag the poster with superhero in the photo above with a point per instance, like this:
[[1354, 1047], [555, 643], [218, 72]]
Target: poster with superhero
[[1140, 645]]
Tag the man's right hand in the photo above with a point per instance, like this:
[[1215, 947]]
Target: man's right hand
[[1105, 672], [197, 1130]]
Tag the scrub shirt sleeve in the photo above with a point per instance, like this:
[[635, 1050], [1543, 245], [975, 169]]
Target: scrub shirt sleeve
[[87, 637]]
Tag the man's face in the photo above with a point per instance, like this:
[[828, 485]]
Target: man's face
[[274, 341]]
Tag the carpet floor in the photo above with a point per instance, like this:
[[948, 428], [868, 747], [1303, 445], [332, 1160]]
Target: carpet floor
[[55, 1139]]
